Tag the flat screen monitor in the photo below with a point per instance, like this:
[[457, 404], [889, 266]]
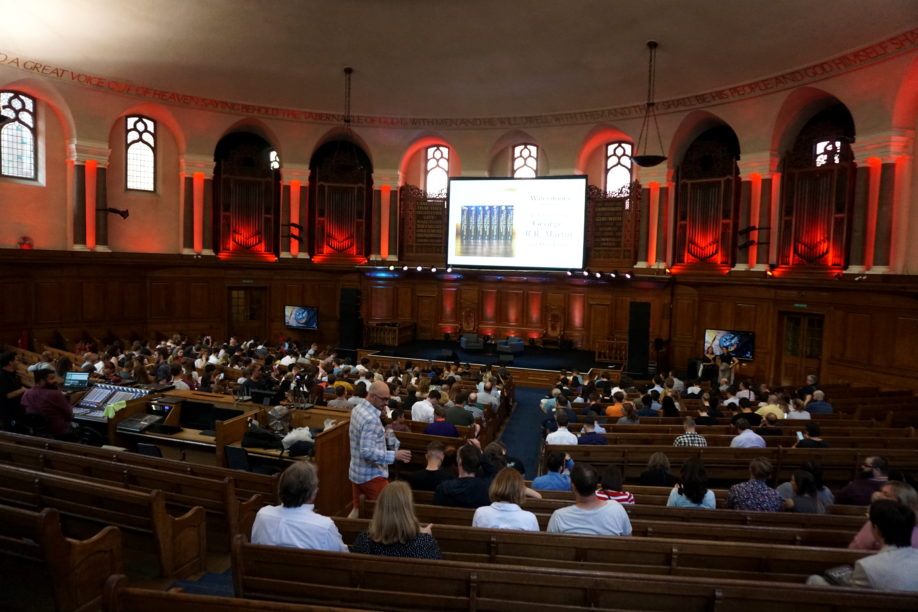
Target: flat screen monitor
[[740, 344], [76, 381], [516, 223], [301, 317]]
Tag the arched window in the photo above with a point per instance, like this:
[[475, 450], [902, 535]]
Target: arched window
[[140, 143], [18, 144], [525, 161], [817, 192], [618, 168], [707, 199], [437, 170]]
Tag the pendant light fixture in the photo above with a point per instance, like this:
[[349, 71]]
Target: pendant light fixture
[[345, 156], [649, 161]]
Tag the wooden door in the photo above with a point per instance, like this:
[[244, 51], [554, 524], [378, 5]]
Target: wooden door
[[801, 347], [248, 312]]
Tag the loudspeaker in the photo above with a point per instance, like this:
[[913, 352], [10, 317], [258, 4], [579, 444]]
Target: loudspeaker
[[638, 339], [446, 355], [350, 325], [693, 370], [505, 358]]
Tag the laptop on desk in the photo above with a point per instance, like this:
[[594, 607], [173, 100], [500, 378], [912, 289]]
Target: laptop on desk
[[75, 381]]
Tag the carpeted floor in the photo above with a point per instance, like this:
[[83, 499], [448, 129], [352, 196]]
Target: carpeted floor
[[522, 435]]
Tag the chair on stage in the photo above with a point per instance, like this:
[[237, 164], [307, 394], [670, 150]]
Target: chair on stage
[[512, 344], [554, 331], [471, 342]]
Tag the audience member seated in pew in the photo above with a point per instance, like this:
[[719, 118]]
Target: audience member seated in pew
[[589, 435], [506, 492], [811, 437], [874, 474], [895, 567], [557, 477], [470, 489], [589, 515], [497, 453], [898, 492], [657, 473], [806, 495], [294, 522], [754, 494], [431, 476], [786, 489], [746, 438], [610, 486], [692, 490], [340, 400], [46, 402], [561, 435], [398, 422], [629, 415], [394, 529], [440, 426], [769, 426]]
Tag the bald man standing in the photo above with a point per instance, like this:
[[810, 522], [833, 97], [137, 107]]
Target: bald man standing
[[370, 459]]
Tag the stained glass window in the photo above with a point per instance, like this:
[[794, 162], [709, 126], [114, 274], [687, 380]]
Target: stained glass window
[[525, 161], [827, 152], [140, 142], [618, 168], [17, 138], [274, 160], [437, 170]]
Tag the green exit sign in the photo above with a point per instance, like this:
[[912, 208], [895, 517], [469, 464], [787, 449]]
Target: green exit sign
[[800, 305]]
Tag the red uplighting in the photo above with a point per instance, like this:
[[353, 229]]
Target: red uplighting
[[198, 211], [384, 194], [90, 191]]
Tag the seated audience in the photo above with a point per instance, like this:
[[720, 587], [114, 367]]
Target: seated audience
[[704, 417], [895, 567], [497, 453], [457, 414], [657, 473], [424, 410], [745, 412], [811, 437], [610, 487], [819, 405], [506, 493], [786, 489], [394, 529], [398, 421], [589, 435], [771, 407], [629, 415], [440, 426], [754, 494], [469, 490], [340, 400], [646, 409], [689, 438], [898, 492], [769, 426], [798, 411], [590, 514], [433, 474], [46, 401], [874, 474], [294, 523], [561, 435], [669, 408], [746, 437], [615, 409], [806, 495], [692, 491], [805, 393], [554, 479]]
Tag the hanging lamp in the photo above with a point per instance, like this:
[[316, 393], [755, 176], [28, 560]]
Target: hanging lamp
[[649, 161], [345, 158]]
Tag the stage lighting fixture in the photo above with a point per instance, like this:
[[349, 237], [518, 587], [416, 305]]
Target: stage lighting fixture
[[838, 276], [598, 275], [627, 274], [404, 268], [586, 272], [434, 269], [613, 274], [769, 273], [569, 273], [668, 271], [391, 268], [419, 268], [449, 270]]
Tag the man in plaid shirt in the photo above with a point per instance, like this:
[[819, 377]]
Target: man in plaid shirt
[[690, 438], [369, 471]]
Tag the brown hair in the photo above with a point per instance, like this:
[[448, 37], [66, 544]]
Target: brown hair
[[394, 519], [507, 486]]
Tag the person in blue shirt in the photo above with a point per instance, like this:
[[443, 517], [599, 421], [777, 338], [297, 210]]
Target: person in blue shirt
[[819, 405], [555, 479], [646, 410], [440, 426], [589, 435]]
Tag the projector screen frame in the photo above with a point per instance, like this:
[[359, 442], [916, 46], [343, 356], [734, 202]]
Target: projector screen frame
[[502, 264]]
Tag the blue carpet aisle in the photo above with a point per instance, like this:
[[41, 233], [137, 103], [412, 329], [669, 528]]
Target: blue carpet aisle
[[522, 435], [217, 585]]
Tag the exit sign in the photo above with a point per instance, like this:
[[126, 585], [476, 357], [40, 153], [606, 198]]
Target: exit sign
[[800, 305], [249, 282]]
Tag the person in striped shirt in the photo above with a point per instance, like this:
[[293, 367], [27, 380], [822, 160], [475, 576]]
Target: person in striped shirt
[[690, 438], [610, 486]]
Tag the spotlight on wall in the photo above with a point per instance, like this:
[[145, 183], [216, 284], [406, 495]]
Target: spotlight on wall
[[404, 268], [391, 268], [449, 270], [419, 268], [434, 269], [116, 211], [628, 275], [599, 275], [668, 270], [613, 274], [585, 272], [770, 272], [569, 273]]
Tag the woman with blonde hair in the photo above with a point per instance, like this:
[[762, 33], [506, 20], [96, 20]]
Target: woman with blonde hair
[[506, 492], [394, 529], [898, 492]]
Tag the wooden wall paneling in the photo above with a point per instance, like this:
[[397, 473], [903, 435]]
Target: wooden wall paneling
[[380, 301], [133, 301], [488, 314], [199, 296], [404, 302], [620, 310], [534, 308], [449, 306], [293, 295], [113, 304], [427, 316], [577, 305], [598, 317], [159, 300], [904, 354], [713, 313], [48, 301], [512, 307], [93, 300], [14, 308]]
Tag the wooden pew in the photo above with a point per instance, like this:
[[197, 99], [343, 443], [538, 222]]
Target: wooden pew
[[654, 521], [225, 512], [179, 541], [678, 557], [318, 577], [246, 483], [77, 568], [119, 597]]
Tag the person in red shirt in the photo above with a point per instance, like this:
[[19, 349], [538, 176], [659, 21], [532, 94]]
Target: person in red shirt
[[46, 400]]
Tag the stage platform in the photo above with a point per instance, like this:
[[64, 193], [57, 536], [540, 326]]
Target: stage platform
[[532, 357]]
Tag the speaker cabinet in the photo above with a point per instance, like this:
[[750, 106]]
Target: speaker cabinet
[[350, 325], [638, 339]]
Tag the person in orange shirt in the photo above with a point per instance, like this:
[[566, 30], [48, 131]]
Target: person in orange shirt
[[615, 410]]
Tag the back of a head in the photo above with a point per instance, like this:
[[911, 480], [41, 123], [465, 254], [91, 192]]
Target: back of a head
[[881, 465], [469, 457], [434, 394], [804, 483], [507, 487], [298, 484], [658, 461], [393, 519], [583, 478], [339, 391], [42, 375], [903, 493], [440, 411], [894, 521], [760, 468], [688, 423], [772, 419], [561, 418], [589, 423], [555, 462], [742, 424], [612, 478], [819, 395], [813, 429], [732, 390], [694, 480], [619, 397], [811, 379]]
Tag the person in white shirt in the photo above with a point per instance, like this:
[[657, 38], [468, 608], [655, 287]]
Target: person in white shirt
[[423, 411], [506, 492], [745, 391], [561, 435], [589, 515], [798, 411], [746, 438], [177, 382], [488, 395], [295, 523], [290, 359]]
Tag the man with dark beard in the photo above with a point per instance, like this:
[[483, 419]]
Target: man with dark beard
[[874, 474], [46, 400]]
